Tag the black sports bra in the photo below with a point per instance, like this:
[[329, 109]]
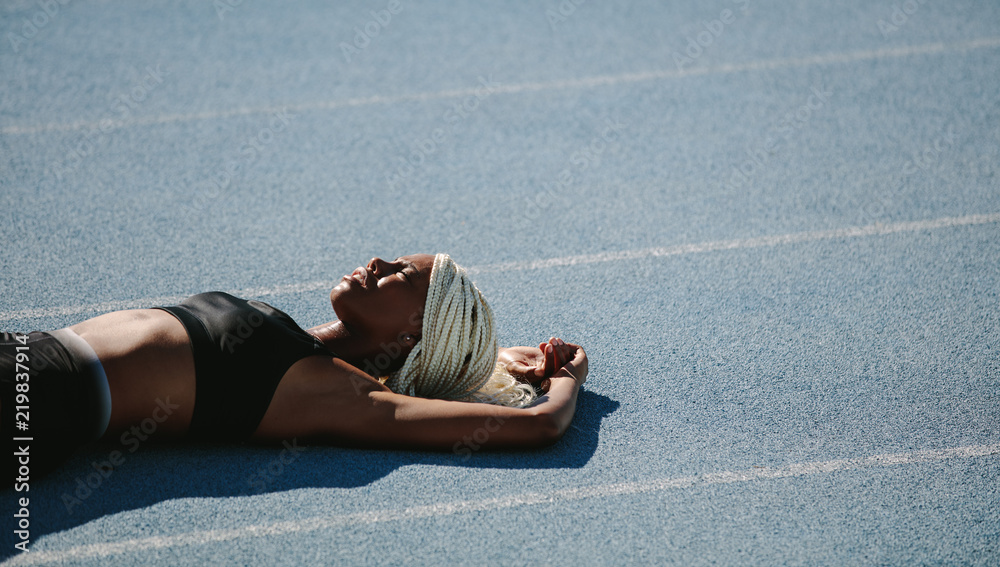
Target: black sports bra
[[241, 351]]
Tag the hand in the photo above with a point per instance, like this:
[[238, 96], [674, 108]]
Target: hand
[[528, 364], [536, 364], [576, 366]]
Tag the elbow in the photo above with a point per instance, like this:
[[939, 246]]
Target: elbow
[[548, 429]]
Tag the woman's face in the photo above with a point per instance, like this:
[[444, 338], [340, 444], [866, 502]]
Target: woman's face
[[383, 301]]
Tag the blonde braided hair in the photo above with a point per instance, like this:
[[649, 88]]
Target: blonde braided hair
[[456, 357]]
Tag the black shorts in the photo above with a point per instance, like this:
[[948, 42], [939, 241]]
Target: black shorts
[[53, 399]]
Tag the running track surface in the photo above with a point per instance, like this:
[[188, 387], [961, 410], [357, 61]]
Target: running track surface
[[775, 229]]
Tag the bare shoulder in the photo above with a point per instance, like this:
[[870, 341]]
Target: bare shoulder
[[316, 395]]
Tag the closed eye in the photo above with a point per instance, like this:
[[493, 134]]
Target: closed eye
[[408, 276]]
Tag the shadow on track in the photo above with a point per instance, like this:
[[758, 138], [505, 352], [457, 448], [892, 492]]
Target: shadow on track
[[158, 473]]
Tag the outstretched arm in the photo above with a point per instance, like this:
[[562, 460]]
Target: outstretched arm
[[395, 420]]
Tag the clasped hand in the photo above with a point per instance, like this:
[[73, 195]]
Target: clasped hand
[[534, 365]]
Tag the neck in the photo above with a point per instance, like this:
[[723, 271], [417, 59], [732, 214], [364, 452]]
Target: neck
[[349, 347]]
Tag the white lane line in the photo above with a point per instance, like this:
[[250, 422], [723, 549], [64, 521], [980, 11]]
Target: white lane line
[[142, 303], [583, 83], [744, 243], [758, 242], [142, 545]]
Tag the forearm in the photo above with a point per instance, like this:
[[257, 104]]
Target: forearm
[[559, 402], [407, 422], [395, 420]]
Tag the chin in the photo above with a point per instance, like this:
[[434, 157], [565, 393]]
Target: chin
[[336, 294], [344, 303]]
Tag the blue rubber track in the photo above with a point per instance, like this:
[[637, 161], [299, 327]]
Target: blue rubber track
[[774, 226]]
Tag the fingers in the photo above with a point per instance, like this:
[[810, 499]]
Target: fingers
[[551, 364], [561, 356], [557, 353]]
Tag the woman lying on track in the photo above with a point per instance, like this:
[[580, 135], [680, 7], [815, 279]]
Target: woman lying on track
[[411, 362]]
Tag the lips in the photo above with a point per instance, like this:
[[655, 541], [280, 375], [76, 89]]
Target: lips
[[360, 275]]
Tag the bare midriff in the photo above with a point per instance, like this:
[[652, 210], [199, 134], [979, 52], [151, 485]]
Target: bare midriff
[[147, 356]]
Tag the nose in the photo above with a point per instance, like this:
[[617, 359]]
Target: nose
[[379, 267]]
